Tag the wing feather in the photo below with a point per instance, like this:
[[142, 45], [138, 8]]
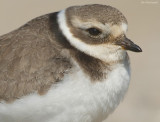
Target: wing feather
[[30, 60]]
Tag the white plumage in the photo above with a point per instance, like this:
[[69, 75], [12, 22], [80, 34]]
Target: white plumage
[[75, 99]]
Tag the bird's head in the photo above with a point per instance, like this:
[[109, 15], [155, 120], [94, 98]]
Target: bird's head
[[97, 30]]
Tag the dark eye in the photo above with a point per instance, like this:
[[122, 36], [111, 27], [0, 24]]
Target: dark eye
[[94, 31]]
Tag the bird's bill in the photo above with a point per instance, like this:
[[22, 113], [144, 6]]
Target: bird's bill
[[127, 44]]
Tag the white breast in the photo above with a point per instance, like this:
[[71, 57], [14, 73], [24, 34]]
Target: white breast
[[75, 99]]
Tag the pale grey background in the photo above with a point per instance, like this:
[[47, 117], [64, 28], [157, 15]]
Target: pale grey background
[[142, 102]]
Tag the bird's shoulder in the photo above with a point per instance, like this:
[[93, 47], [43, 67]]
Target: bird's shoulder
[[31, 60]]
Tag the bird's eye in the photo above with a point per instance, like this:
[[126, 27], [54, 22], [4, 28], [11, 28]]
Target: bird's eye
[[94, 31]]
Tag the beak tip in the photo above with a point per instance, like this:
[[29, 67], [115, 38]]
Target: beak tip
[[138, 49], [141, 50], [127, 44]]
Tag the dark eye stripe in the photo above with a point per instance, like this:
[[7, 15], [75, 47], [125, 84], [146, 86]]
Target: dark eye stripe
[[94, 31]]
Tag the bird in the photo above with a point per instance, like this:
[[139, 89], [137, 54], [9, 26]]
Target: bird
[[67, 66]]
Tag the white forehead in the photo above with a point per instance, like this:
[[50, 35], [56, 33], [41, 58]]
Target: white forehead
[[124, 27], [115, 30]]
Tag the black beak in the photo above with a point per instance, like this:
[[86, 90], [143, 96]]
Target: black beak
[[127, 44]]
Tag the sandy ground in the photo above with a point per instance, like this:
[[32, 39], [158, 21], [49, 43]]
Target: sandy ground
[[142, 102]]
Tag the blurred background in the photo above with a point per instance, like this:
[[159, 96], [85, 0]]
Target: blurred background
[[142, 102]]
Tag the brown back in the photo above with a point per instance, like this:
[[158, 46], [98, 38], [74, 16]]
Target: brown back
[[30, 60]]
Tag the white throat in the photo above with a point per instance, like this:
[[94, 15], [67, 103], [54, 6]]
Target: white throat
[[104, 52]]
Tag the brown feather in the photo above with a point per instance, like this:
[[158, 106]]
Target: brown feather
[[31, 60]]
